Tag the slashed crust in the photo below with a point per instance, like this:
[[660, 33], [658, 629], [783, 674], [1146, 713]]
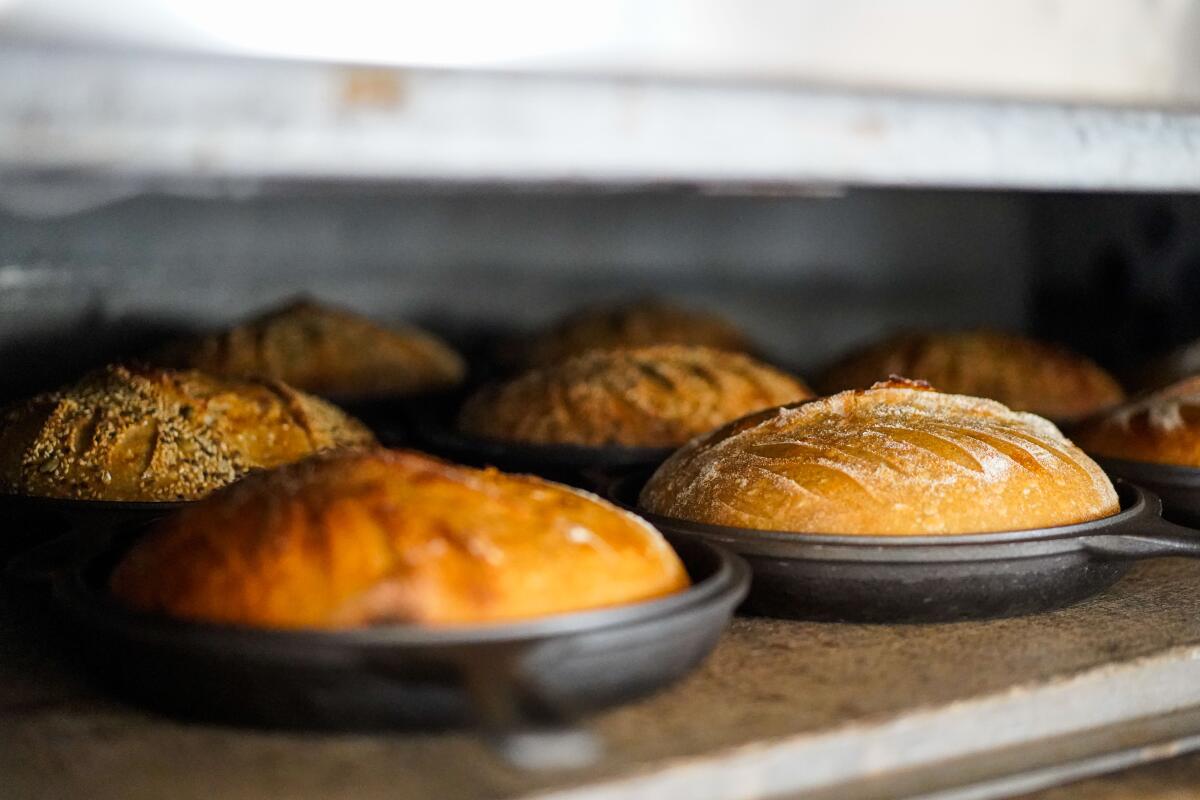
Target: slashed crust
[[895, 459], [646, 397]]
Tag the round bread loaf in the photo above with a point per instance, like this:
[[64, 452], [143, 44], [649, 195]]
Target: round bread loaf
[[1024, 374], [1163, 427], [646, 397], [326, 351], [1168, 368], [352, 539], [148, 434], [633, 325], [897, 459]]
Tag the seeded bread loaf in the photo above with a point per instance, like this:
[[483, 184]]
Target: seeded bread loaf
[[645, 397], [353, 539], [897, 459], [148, 434]]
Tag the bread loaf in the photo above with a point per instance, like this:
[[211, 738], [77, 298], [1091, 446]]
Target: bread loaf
[[632, 325], [355, 539], [147, 434], [1162, 427], [897, 459], [326, 351], [1168, 368], [1024, 374], [646, 397]]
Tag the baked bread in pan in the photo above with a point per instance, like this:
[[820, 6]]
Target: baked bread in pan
[[898, 459], [149, 434], [351, 539], [657, 396], [326, 351], [1162, 427], [1024, 374], [1168, 368], [632, 325]]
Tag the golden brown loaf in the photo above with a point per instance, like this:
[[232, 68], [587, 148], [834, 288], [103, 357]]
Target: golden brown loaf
[[898, 459], [1162, 427], [146, 434], [633, 325], [1024, 374], [326, 351], [380, 536], [1170, 367], [646, 397]]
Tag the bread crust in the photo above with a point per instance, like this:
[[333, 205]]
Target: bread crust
[[134, 433], [645, 397], [1024, 374], [326, 351], [641, 324], [1162, 427], [897, 459], [353, 539]]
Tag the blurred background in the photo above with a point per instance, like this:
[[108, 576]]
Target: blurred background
[[819, 172]]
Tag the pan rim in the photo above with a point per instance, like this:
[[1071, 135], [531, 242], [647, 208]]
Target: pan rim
[[1180, 475], [1134, 505], [436, 432], [730, 579], [79, 505]]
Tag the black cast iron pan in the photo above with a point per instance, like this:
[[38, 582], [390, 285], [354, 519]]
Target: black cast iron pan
[[27, 521], [586, 467], [393, 418], [508, 677], [1179, 487], [43, 536], [935, 578]]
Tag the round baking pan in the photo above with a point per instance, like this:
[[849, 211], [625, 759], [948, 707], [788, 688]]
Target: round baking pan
[[1179, 487], [506, 677], [47, 535], [31, 521], [935, 578], [393, 418], [586, 467]]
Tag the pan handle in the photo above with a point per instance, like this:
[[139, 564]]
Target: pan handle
[[521, 725], [1156, 537]]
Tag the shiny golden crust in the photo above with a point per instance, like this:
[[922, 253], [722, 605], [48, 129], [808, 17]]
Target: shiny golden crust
[[1024, 374], [634, 325], [325, 351], [146, 434], [896, 459], [647, 397], [1162, 427], [389, 536]]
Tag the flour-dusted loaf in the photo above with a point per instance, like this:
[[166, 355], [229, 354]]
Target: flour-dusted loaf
[[353, 539], [645, 397], [1168, 368], [1162, 427], [1024, 374], [631, 325], [148, 434], [898, 458], [326, 351]]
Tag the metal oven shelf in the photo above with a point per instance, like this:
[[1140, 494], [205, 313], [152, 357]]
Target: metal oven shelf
[[1040, 95]]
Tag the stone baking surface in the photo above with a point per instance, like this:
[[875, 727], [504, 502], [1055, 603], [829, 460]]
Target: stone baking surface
[[767, 680]]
